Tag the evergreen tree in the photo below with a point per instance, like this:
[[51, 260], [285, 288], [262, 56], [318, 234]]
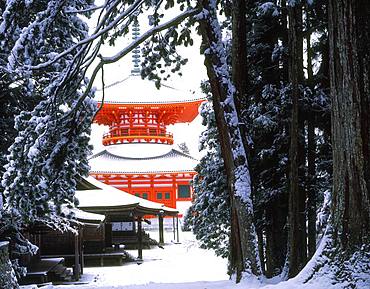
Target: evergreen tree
[[209, 215], [51, 148], [244, 254], [267, 116]]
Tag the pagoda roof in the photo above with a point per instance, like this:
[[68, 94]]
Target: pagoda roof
[[175, 112], [134, 90], [170, 161], [100, 197]]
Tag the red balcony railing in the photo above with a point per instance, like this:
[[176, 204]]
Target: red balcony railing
[[119, 135]]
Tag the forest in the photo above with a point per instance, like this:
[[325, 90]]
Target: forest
[[283, 188]]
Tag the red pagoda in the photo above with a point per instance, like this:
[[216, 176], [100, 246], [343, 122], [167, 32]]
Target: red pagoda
[[139, 156]]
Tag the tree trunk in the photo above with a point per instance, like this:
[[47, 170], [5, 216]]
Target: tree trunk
[[311, 154], [284, 38], [276, 235], [297, 223], [244, 249], [239, 64], [261, 252], [311, 193], [349, 39]]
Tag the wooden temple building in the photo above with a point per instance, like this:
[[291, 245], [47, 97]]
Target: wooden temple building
[[124, 214], [107, 221]]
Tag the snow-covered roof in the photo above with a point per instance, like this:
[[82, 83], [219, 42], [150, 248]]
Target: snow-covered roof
[[108, 161], [83, 216], [106, 197], [87, 216], [133, 89], [140, 150]]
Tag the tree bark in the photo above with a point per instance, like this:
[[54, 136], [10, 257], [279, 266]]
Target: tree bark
[[261, 252], [244, 249], [239, 63], [311, 154], [276, 235], [349, 40], [284, 39], [311, 193], [297, 221]]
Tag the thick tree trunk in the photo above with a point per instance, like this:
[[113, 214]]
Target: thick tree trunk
[[349, 37], [311, 193], [297, 223], [284, 36], [261, 252], [311, 156], [276, 235], [239, 64], [244, 249]]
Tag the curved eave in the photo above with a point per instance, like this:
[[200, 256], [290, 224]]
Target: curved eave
[[141, 173], [145, 211], [185, 111], [107, 209], [136, 210], [110, 154], [173, 162], [164, 103], [166, 211]]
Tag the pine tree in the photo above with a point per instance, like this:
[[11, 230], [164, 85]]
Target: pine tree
[[209, 215], [267, 119], [50, 151], [267, 116], [244, 250]]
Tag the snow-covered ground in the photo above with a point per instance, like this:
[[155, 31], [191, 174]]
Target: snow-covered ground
[[176, 263], [178, 266]]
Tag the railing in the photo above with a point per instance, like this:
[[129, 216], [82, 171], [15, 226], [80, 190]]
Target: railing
[[137, 135]]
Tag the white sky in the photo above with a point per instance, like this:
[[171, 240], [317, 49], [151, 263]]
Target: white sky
[[192, 74]]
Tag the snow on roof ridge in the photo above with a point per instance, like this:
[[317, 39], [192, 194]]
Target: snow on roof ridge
[[116, 198], [138, 172], [186, 155], [98, 154], [171, 162], [166, 155], [134, 90], [154, 101]]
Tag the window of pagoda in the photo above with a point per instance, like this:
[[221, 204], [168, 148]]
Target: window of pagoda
[[139, 125]]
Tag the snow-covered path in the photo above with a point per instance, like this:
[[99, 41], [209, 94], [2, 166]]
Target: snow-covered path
[[182, 265]]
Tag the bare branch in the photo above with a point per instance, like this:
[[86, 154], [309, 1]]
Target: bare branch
[[94, 36], [107, 60], [175, 21], [90, 9]]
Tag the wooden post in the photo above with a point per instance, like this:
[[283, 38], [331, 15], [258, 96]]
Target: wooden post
[[82, 263], [161, 233], [177, 229], [76, 269], [140, 239], [174, 230]]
